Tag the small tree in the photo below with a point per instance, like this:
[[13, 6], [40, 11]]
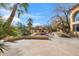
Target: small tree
[[22, 28], [29, 23], [64, 10]]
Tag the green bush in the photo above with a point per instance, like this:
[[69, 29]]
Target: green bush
[[6, 30], [14, 31], [11, 31]]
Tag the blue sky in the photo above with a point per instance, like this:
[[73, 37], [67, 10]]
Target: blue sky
[[41, 13]]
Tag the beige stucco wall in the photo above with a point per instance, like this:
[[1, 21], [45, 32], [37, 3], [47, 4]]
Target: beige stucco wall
[[76, 33], [72, 18]]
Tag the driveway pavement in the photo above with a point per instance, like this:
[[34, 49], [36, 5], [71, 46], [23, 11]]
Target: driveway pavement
[[54, 47]]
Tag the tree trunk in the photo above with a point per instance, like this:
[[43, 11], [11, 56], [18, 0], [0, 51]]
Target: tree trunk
[[10, 19], [66, 15], [61, 22], [6, 26]]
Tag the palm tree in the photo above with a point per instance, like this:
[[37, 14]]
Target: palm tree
[[17, 7]]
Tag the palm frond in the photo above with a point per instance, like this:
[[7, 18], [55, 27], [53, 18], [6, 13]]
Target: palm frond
[[20, 12], [25, 5], [21, 8], [4, 5], [2, 47]]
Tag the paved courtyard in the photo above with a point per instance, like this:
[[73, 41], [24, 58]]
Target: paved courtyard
[[54, 47]]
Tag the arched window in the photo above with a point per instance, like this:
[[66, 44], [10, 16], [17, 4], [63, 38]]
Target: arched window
[[76, 26], [77, 17]]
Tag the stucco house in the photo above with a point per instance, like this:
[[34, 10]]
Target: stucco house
[[74, 23], [39, 30]]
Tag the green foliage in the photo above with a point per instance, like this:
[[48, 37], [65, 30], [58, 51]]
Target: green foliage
[[29, 23], [4, 5], [23, 29], [18, 30], [5, 31], [2, 32], [23, 7], [14, 31], [6, 28]]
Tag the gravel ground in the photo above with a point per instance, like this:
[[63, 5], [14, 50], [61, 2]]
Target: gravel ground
[[54, 47]]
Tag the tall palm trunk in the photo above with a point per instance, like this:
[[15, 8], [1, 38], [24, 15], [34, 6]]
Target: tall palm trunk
[[10, 19], [7, 24]]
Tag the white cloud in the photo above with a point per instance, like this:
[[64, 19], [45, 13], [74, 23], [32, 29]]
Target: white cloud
[[33, 16], [37, 24], [4, 11], [15, 20], [38, 13]]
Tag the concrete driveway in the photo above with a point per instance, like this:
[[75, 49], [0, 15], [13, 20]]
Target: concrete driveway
[[55, 47]]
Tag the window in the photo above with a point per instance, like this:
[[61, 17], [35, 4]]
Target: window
[[77, 17], [76, 27]]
